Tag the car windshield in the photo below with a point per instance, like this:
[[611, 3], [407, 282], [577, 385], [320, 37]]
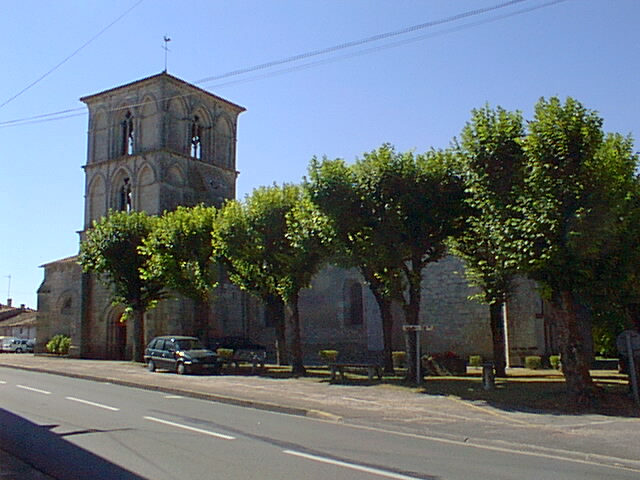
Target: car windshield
[[189, 344]]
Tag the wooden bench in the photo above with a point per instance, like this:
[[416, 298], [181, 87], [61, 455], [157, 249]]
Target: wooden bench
[[341, 368]]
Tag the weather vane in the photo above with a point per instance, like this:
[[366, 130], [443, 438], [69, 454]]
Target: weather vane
[[166, 51]]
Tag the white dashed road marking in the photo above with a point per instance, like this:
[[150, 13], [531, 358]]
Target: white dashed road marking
[[93, 404], [31, 389], [351, 466], [191, 429]]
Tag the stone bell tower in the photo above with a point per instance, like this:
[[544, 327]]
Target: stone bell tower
[[158, 143], [153, 145]]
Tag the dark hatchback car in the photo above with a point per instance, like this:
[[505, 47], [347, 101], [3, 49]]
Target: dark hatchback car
[[181, 355]]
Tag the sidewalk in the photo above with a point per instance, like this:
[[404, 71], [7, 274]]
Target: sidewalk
[[587, 437]]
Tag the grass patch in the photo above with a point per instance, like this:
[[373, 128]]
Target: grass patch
[[541, 391]]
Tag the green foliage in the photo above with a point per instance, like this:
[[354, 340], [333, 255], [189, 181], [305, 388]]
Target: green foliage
[[554, 361], [273, 244], [533, 362], [391, 213], [111, 250], [225, 353], [180, 253], [491, 162], [475, 360], [604, 340], [559, 204], [328, 356], [573, 189], [59, 344]]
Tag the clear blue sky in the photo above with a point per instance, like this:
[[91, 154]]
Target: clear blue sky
[[416, 94]]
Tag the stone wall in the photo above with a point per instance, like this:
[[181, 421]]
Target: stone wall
[[59, 303]]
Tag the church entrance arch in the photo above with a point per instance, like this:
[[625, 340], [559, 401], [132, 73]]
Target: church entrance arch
[[116, 335]]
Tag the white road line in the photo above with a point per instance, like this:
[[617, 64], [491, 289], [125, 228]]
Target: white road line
[[616, 463], [93, 404], [192, 429], [351, 466], [2, 382], [172, 396], [31, 389]]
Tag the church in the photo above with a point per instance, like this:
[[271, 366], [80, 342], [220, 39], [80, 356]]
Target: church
[[160, 142]]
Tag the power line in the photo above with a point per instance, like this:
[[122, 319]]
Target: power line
[[65, 60], [363, 41], [63, 114], [386, 46]]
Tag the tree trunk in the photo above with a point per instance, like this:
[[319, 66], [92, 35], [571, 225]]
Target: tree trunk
[[384, 303], [384, 300], [498, 336], [412, 317], [573, 353], [387, 335], [138, 336], [275, 314], [201, 326], [297, 363]]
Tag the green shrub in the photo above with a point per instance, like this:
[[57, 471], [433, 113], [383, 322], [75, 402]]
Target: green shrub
[[554, 361], [399, 358], [475, 360], [59, 344], [225, 353], [533, 362], [328, 356]]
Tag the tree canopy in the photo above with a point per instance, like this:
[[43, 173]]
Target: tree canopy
[[576, 187], [392, 212], [491, 162], [273, 243], [180, 256], [111, 251]]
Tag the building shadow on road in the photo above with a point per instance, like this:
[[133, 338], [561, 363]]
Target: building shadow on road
[[49, 453]]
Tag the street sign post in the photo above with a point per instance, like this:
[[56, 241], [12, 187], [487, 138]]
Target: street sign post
[[417, 329], [628, 344]]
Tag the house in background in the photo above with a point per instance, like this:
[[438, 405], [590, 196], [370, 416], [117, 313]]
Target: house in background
[[17, 322]]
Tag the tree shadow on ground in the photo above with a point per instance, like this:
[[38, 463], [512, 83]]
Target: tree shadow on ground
[[523, 390], [541, 393]]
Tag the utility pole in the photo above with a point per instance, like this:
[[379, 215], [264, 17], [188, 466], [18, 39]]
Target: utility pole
[[9, 287]]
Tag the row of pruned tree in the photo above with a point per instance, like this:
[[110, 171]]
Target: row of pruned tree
[[554, 199]]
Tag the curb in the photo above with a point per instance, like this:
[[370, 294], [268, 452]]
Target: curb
[[484, 443], [240, 402]]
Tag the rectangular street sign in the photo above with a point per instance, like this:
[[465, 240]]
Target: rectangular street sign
[[417, 328]]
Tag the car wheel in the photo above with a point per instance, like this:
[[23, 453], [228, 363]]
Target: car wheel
[[18, 350], [151, 366], [181, 368]]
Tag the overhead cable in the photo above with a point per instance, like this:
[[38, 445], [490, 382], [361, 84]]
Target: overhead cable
[[65, 60]]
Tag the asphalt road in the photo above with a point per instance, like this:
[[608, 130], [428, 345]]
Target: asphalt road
[[146, 434]]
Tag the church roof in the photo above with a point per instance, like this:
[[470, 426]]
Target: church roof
[[168, 77], [72, 259]]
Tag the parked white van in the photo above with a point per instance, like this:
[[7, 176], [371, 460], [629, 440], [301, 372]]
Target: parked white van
[[16, 345]]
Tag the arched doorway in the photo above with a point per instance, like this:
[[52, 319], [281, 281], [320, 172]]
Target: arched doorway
[[116, 336]]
